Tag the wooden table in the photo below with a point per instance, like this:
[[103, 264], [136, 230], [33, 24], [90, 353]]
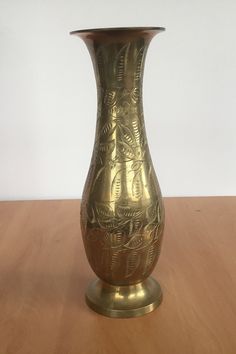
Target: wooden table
[[44, 273]]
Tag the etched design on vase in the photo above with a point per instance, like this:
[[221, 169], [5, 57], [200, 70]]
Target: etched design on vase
[[122, 209]]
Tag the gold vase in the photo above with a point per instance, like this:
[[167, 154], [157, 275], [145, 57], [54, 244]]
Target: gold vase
[[122, 214]]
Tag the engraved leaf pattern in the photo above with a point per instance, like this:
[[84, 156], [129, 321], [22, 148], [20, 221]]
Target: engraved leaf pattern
[[125, 231], [108, 128], [150, 257], [126, 135], [128, 212], [133, 261], [120, 62], [110, 97], [152, 212], [115, 261], [104, 211], [137, 185], [116, 185], [101, 60], [153, 217], [97, 177], [113, 239], [131, 227], [109, 224], [135, 242], [125, 150], [137, 225], [139, 64], [136, 131], [107, 147], [136, 165], [135, 94]]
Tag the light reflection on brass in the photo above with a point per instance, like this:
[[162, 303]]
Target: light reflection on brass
[[122, 214], [118, 296]]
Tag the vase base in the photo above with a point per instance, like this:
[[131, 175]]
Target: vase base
[[124, 301]]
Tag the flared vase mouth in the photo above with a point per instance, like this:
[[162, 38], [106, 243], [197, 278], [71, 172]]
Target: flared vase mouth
[[113, 30], [114, 34]]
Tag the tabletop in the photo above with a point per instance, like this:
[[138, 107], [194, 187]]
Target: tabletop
[[44, 273]]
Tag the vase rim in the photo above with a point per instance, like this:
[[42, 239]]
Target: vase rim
[[117, 29]]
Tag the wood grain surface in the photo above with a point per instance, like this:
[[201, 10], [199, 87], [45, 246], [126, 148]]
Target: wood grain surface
[[44, 273]]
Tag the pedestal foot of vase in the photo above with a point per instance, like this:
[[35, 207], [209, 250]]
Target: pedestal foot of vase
[[124, 301]]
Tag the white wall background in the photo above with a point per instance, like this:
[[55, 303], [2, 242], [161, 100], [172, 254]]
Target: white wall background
[[48, 96]]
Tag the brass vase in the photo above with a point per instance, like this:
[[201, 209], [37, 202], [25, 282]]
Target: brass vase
[[122, 214]]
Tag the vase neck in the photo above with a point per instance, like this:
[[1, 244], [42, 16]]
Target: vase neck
[[119, 65], [118, 54]]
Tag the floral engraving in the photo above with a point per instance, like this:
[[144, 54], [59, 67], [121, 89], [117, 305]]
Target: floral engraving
[[122, 213]]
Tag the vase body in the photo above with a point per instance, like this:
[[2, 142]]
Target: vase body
[[122, 214]]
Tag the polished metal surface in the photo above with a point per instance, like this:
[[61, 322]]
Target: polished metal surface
[[122, 214], [124, 301]]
